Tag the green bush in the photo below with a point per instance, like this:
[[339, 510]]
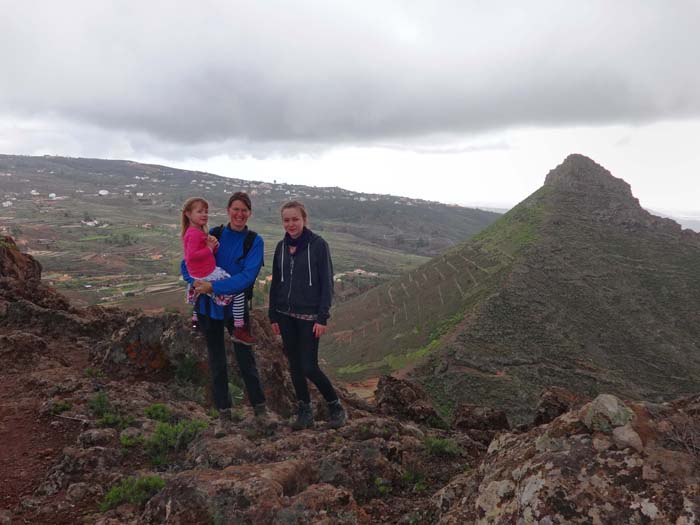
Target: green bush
[[170, 438], [442, 447], [94, 373], [60, 406], [158, 412], [129, 441], [99, 405], [115, 420], [383, 486], [189, 371], [236, 393], [414, 480], [132, 490]]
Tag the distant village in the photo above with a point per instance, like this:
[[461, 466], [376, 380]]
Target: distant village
[[142, 191]]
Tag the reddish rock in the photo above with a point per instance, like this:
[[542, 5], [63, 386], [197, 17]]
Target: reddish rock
[[323, 503], [480, 423], [406, 399], [553, 402]]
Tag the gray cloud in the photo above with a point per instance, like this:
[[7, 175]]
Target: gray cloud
[[261, 76]]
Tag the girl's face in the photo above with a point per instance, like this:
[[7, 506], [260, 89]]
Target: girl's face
[[293, 222], [198, 215]]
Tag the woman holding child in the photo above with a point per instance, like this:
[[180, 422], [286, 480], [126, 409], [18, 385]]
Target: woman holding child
[[300, 299], [240, 270]]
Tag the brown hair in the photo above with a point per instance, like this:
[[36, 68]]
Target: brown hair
[[299, 206], [240, 196], [187, 207]]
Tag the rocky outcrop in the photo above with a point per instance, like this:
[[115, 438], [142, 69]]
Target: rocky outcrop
[[480, 423], [20, 277], [607, 462], [120, 381], [553, 402], [405, 399]]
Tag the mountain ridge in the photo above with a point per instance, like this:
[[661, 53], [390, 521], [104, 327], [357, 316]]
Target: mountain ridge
[[572, 287]]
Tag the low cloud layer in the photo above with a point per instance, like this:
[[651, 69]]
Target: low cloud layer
[[254, 75]]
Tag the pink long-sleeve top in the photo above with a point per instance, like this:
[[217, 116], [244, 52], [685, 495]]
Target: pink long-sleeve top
[[199, 258]]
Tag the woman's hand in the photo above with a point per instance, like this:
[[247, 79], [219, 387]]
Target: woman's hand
[[203, 287], [275, 328], [319, 330]]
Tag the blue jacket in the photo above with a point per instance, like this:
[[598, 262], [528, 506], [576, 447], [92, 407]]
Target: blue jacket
[[242, 273]]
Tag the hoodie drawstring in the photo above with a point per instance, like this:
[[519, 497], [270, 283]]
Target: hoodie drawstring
[[284, 248], [308, 258]]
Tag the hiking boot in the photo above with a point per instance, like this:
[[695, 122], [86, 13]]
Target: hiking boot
[[223, 423], [336, 414], [264, 419], [305, 417], [242, 335]]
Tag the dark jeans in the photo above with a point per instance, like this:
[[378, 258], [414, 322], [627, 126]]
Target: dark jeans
[[301, 348], [218, 369]]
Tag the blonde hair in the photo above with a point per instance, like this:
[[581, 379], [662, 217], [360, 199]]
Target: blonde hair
[[296, 205], [186, 208]]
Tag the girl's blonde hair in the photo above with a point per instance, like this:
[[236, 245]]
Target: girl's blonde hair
[[299, 206], [187, 207]]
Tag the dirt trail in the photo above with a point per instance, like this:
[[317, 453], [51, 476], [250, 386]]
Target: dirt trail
[[30, 444]]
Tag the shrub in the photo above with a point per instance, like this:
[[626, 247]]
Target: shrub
[[60, 406], [189, 371], [442, 447], [414, 480], [94, 373], [99, 405], [130, 441], [169, 438], [236, 393], [115, 420], [158, 412], [383, 486], [132, 490]]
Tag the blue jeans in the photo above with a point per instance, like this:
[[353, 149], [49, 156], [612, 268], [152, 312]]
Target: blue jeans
[[301, 348]]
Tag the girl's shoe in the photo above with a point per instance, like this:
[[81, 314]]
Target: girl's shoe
[[242, 335]]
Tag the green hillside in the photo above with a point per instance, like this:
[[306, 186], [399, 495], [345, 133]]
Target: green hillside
[[577, 286], [106, 231]]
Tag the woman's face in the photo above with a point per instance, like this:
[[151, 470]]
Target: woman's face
[[293, 222], [238, 215]]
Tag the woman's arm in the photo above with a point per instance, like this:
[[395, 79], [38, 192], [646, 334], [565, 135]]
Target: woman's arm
[[324, 266], [185, 274], [274, 284], [243, 279]]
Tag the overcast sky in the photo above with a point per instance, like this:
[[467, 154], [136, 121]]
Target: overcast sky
[[459, 101]]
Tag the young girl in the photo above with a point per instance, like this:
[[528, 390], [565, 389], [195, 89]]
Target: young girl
[[199, 248]]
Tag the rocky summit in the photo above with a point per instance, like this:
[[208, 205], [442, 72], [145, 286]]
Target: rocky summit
[[104, 419], [576, 287]]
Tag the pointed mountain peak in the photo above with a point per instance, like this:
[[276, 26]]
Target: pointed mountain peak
[[582, 174]]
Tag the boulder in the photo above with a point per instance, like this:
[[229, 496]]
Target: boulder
[[405, 399]]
